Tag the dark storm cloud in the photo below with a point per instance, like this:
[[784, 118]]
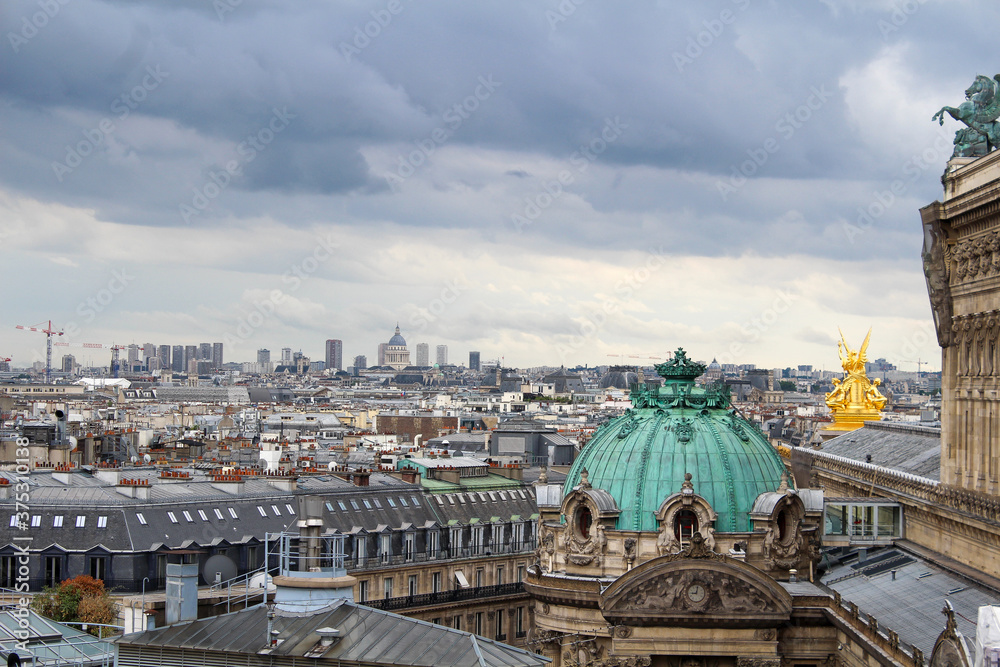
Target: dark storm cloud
[[704, 88]]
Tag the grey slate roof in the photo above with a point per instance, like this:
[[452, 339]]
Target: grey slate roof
[[367, 635], [908, 448], [912, 603]]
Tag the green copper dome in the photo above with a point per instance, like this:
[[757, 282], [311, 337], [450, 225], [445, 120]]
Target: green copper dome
[[640, 458]]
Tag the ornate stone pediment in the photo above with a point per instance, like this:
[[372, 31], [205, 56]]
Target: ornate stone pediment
[[695, 591]]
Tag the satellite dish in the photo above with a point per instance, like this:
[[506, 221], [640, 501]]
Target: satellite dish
[[331, 465], [146, 458], [72, 442], [218, 569], [134, 459]]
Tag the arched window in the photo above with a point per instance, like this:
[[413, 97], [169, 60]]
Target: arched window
[[685, 525], [782, 524], [584, 519]]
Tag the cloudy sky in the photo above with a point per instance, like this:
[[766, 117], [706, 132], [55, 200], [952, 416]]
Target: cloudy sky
[[551, 182]]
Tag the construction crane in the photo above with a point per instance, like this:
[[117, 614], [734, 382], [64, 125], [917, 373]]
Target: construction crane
[[621, 357], [115, 349], [49, 332], [918, 362]]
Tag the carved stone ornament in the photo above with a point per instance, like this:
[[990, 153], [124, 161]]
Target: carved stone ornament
[[697, 548], [765, 634], [623, 631], [630, 543], [625, 661], [950, 649], [582, 547], [583, 653], [666, 541], [757, 661], [783, 544]]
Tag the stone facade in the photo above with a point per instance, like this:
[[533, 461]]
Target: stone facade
[[962, 263]]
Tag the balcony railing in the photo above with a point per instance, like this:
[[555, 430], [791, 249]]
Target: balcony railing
[[444, 597], [384, 560]]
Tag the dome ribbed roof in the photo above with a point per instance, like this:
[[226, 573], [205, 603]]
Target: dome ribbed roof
[[640, 458], [397, 339]]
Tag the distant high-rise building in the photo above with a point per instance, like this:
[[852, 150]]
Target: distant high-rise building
[[217, 355], [361, 362], [153, 363], [164, 354], [133, 356], [286, 355], [442, 355], [190, 354], [177, 359], [205, 352], [335, 354], [263, 356], [423, 354], [474, 361], [68, 362], [148, 350], [381, 353]]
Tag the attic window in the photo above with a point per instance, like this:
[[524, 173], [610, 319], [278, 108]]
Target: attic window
[[138, 515], [377, 503], [187, 516], [201, 513], [57, 521], [218, 515], [13, 521], [261, 510], [172, 517], [503, 496], [342, 505], [81, 521], [354, 504], [392, 503], [368, 505], [36, 521], [102, 522], [416, 503], [277, 512], [290, 509], [232, 513], [403, 501]]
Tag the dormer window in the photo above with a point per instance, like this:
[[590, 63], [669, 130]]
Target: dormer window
[[584, 520], [685, 525]]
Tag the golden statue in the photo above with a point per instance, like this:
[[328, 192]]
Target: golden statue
[[855, 399]]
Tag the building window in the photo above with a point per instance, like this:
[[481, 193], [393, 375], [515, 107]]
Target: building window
[[36, 520], [252, 557], [360, 549], [497, 539], [261, 511], [500, 634], [277, 512], [408, 540], [479, 623], [81, 521], [436, 582], [392, 503], [172, 517], [7, 571], [500, 576], [53, 571], [519, 622], [98, 567], [218, 515], [456, 542], [387, 586], [138, 515], [57, 521], [477, 540], [102, 522], [403, 501], [367, 504], [457, 621], [432, 544], [342, 506], [584, 519], [479, 577], [201, 513], [412, 585], [354, 504], [363, 591], [385, 547], [416, 503], [685, 525], [232, 513], [378, 505], [13, 521], [289, 508]]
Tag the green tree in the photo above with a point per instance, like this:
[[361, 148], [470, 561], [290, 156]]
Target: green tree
[[787, 385], [80, 599]]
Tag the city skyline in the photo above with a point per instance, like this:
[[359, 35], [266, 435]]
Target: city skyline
[[738, 178]]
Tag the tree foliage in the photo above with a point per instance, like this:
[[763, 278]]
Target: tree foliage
[[80, 599]]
